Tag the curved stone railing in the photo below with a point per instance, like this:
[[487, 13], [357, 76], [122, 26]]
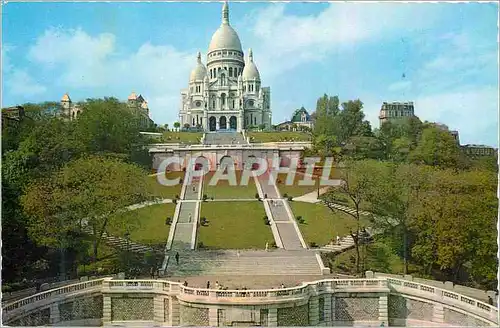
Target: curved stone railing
[[263, 296], [23, 304]]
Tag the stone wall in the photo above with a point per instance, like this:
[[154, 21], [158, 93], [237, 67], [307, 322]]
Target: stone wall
[[132, 309], [456, 318], [81, 308], [193, 316], [294, 316], [37, 318], [404, 308], [348, 309]]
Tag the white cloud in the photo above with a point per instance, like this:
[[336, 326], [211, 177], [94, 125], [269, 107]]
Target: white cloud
[[20, 83], [285, 41], [157, 72], [474, 112]]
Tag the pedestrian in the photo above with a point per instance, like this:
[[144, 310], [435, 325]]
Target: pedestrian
[[383, 324], [338, 240], [177, 258], [238, 253], [208, 284], [152, 272], [194, 188], [217, 286], [185, 283], [282, 285], [490, 300], [189, 218], [267, 246]]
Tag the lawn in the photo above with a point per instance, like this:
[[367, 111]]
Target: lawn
[[222, 190], [296, 190], [321, 224], [146, 225], [256, 137], [159, 190], [234, 225], [182, 137]]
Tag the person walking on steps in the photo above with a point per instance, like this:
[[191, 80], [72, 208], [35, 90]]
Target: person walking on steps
[[189, 218], [177, 258]]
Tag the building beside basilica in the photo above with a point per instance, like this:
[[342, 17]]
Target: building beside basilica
[[227, 93], [136, 103]]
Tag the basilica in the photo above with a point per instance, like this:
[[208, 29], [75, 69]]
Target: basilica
[[226, 94]]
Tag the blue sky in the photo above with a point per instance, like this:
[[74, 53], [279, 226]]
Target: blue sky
[[448, 54]]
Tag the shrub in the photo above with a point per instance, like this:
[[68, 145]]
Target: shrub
[[201, 245], [257, 195], [176, 196], [290, 198], [203, 221], [285, 195], [205, 197], [168, 221], [174, 201], [312, 244], [212, 198], [273, 245]]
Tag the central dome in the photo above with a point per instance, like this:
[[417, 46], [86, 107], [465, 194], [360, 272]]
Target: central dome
[[225, 37]]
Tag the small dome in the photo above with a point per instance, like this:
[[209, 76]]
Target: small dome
[[66, 97], [225, 37], [132, 96], [250, 71], [199, 72]]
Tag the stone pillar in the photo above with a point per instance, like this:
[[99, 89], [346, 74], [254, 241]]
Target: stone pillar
[[213, 317], [174, 313], [333, 319], [438, 313], [383, 310], [159, 309], [106, 309], [54, 313], [272, 318], [313, 311], [328, 309]]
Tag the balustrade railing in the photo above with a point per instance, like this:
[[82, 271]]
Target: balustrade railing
[[52, 293], [320, 286]]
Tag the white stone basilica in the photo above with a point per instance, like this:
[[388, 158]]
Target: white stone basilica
[[227, 93]]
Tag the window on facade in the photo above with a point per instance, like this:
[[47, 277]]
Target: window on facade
[[257, 88], [255, 121], [215, 73], [223, 99], [230, 72], [244, 88], [193, 121], [233, 103], [218, 69], [213, 103]]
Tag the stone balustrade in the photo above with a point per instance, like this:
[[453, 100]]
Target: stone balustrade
[[326, 299]]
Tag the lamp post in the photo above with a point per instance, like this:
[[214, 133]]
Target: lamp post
[[127, 237]]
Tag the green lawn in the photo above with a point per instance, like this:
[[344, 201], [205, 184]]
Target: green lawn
[[222, 190], [234, 225], [182, 137], [159, 190], [321, 224], [256, 137], [146, 225]]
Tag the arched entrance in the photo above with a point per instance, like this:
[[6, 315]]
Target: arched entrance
[[232, 123], [223, 123], [212, 123]]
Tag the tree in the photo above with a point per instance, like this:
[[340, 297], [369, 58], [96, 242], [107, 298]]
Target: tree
[[356, 178], [394, 197], [186, 126], [177, 125], [436, 147], [107, 125], [86, 191], [165, 126]]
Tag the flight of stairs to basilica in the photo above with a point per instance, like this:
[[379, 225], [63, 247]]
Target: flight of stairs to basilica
[[224, 138], [248, 262], [121, 243]]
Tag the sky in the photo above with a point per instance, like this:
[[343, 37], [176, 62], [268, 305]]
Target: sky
[[441, 56]]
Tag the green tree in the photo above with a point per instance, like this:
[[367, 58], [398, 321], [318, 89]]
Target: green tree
[[86, 191], [177, 125], [436, 147], [394, 196], [352, 121], [356, 178]]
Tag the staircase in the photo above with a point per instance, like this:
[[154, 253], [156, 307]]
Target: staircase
[[121, 243], [227, 262], [344, 244], [224, 138]]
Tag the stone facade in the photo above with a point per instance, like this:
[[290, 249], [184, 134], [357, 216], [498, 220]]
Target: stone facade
[[343, 302], [396, 110], [227, 93]]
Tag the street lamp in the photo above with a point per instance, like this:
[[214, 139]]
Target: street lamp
[[127, 237]]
